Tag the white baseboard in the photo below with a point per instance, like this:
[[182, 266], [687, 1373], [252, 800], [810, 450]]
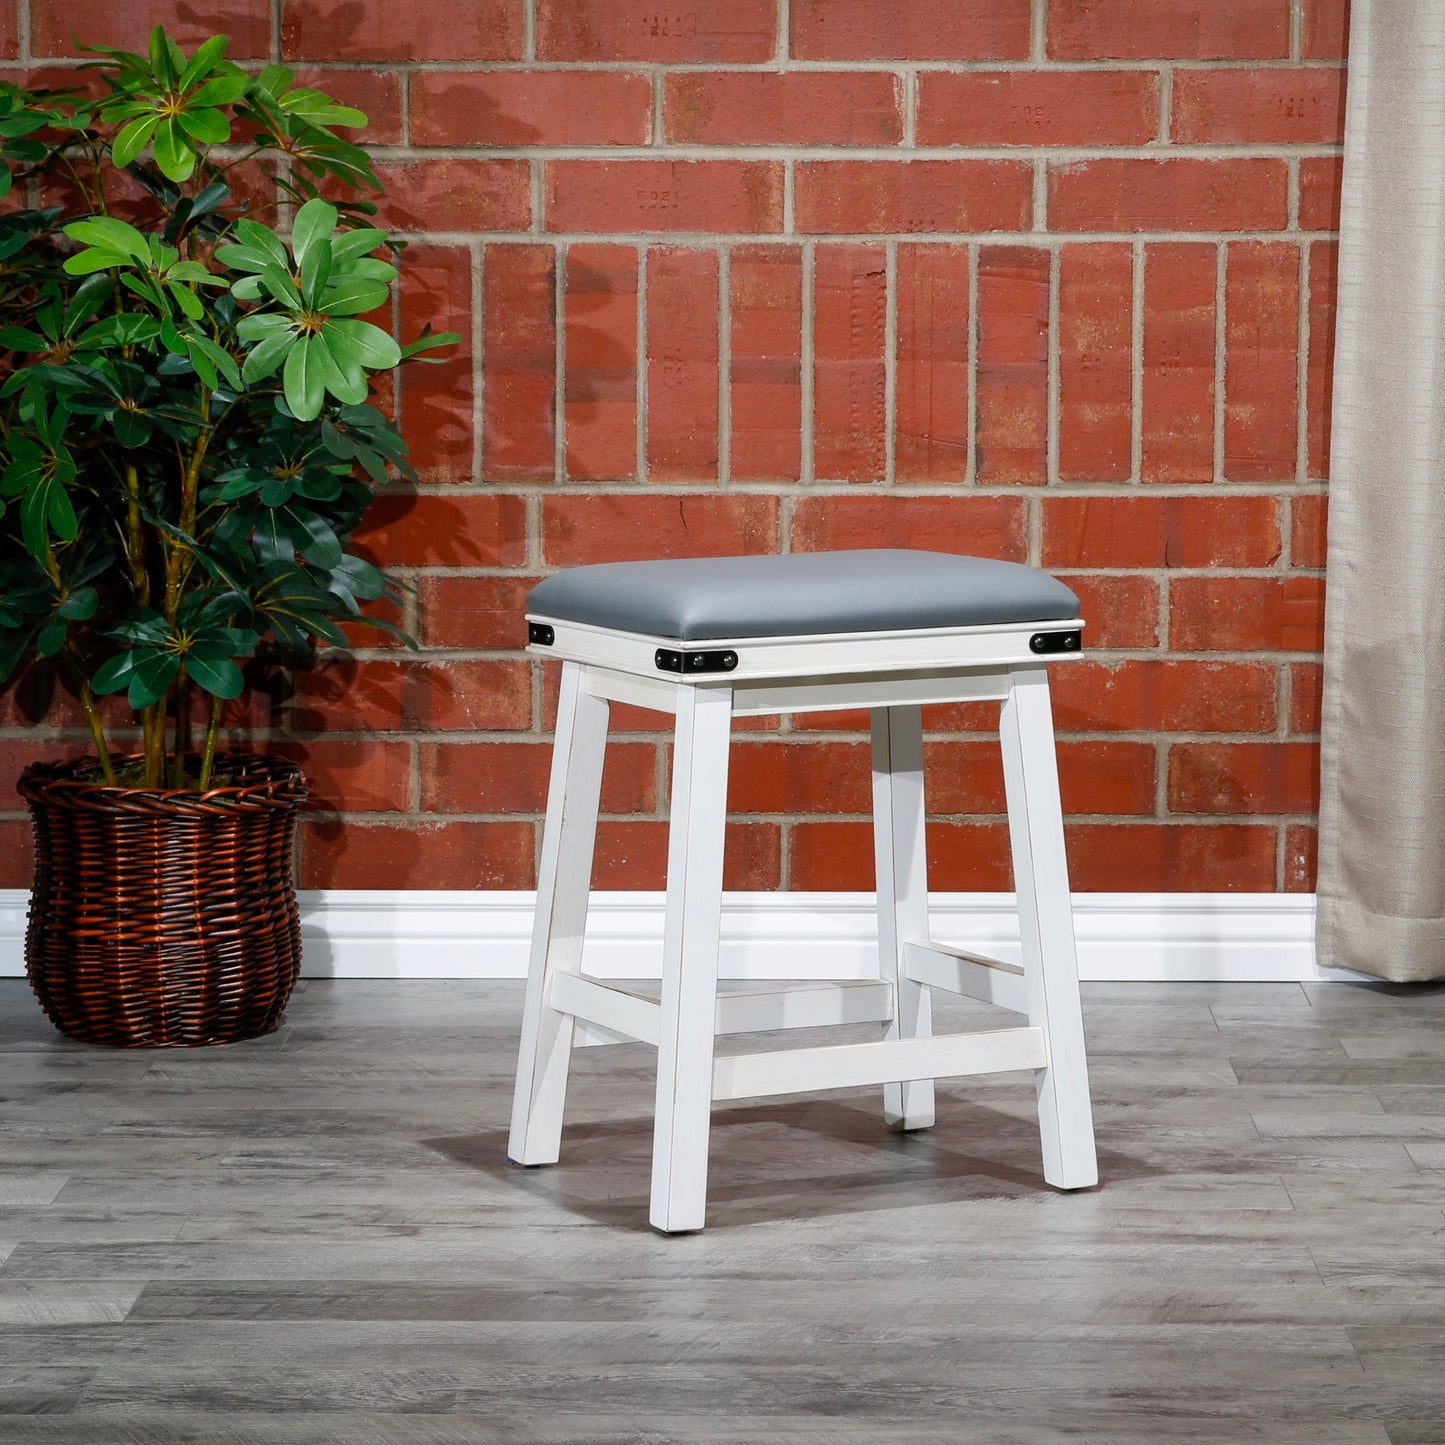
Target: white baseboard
[[1231, 937]]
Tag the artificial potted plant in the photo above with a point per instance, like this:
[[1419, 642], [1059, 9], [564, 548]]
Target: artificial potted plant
[[187, 439]]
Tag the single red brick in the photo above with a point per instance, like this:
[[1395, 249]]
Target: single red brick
[[1145, 695], [402, 529], [1168, 29], [17, 860], [473, 611], [682, 365], [783, 107], [1307, 530], [1012, 383], [931, 435], [1118, 611], [963, 777], [436, 399], [1246, 614], [511, 777], [344, 694], [1258, 107], [1171, 857], [55, 26], [1306, 682], [971, 525], [1169, 195], [452, 30], [455, 195], [369, 777], [850, 300], [1244, 778], [351, 853], [600, 387], [1319, 374], [1154, 531], [766, 299], [633, 855], [839, 855], [1301, 857], [664, 196], [806, 777], [706, 32], [1261, 362], [9, 50], [954, 30], [1101, 775], [1319, 193], [376, 93], [611, 528], [1037, 107], [1096, 358], [1177, 412], [519, 357], [1326, 29], [853, 197], [530, 107]]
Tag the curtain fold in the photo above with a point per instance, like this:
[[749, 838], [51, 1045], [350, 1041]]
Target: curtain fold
[[1381, 891]]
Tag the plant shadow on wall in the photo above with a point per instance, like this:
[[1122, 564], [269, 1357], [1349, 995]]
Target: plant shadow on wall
[[190, 436]]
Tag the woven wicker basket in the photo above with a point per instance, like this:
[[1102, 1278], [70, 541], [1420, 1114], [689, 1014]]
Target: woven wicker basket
[[164, 919]]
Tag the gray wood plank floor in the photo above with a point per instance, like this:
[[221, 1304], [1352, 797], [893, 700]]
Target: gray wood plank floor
[[315, 1237]]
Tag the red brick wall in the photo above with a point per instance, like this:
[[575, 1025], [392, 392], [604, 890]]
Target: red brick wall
[[1048, 281]]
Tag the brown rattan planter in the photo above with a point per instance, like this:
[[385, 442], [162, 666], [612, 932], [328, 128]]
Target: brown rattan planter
[[164, 919]]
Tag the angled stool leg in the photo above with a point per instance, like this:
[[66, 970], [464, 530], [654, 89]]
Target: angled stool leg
[[902, 872], [1046, 922], [689, 958], [563, 883]]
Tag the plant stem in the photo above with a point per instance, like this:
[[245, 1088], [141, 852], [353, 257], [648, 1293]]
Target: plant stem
[[97, 731], [153, 725], [135, 547], [182, 689], [208, 753]]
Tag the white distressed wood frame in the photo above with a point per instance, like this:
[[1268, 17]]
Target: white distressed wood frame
[[564, 878], [894, 676]]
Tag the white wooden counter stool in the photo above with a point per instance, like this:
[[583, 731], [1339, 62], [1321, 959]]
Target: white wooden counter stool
[[717, 638]]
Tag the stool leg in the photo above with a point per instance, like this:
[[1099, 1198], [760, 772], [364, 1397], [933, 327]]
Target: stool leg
[[902, 873], [689, 958], [1046, 922], [563, 883]]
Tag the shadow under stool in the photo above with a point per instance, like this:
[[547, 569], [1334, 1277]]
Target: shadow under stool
[[716, 638]]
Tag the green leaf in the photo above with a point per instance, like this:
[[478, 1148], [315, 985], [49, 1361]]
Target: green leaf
[[351, 244], [113, 674], [223, 90], [79, 605], [275, 78], [316, 220], [363, 344], [269, 354], [348, 297], [303, 378], [132, 138], [346, 381], [221, 359], [315, 271], [189, 302], [261, 238], [429, 341], [162, 57], [220, 678], [208, 127], [89, 297], [255, 326], [281, 286], [202, 61], [174, 153], [112, 235], [151, 679], [85, 263], [17, 338]]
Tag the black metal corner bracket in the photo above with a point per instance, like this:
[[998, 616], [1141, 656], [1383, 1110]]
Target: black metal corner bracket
[[540, 634], [1046, 642], [694, 662]]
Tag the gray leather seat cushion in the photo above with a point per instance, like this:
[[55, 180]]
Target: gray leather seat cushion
[[801, 593]]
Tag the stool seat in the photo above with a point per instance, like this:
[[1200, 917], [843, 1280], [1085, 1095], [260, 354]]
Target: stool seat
[[802, 594]]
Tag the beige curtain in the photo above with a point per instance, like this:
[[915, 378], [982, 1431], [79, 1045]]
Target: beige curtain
[[1382, 806]]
